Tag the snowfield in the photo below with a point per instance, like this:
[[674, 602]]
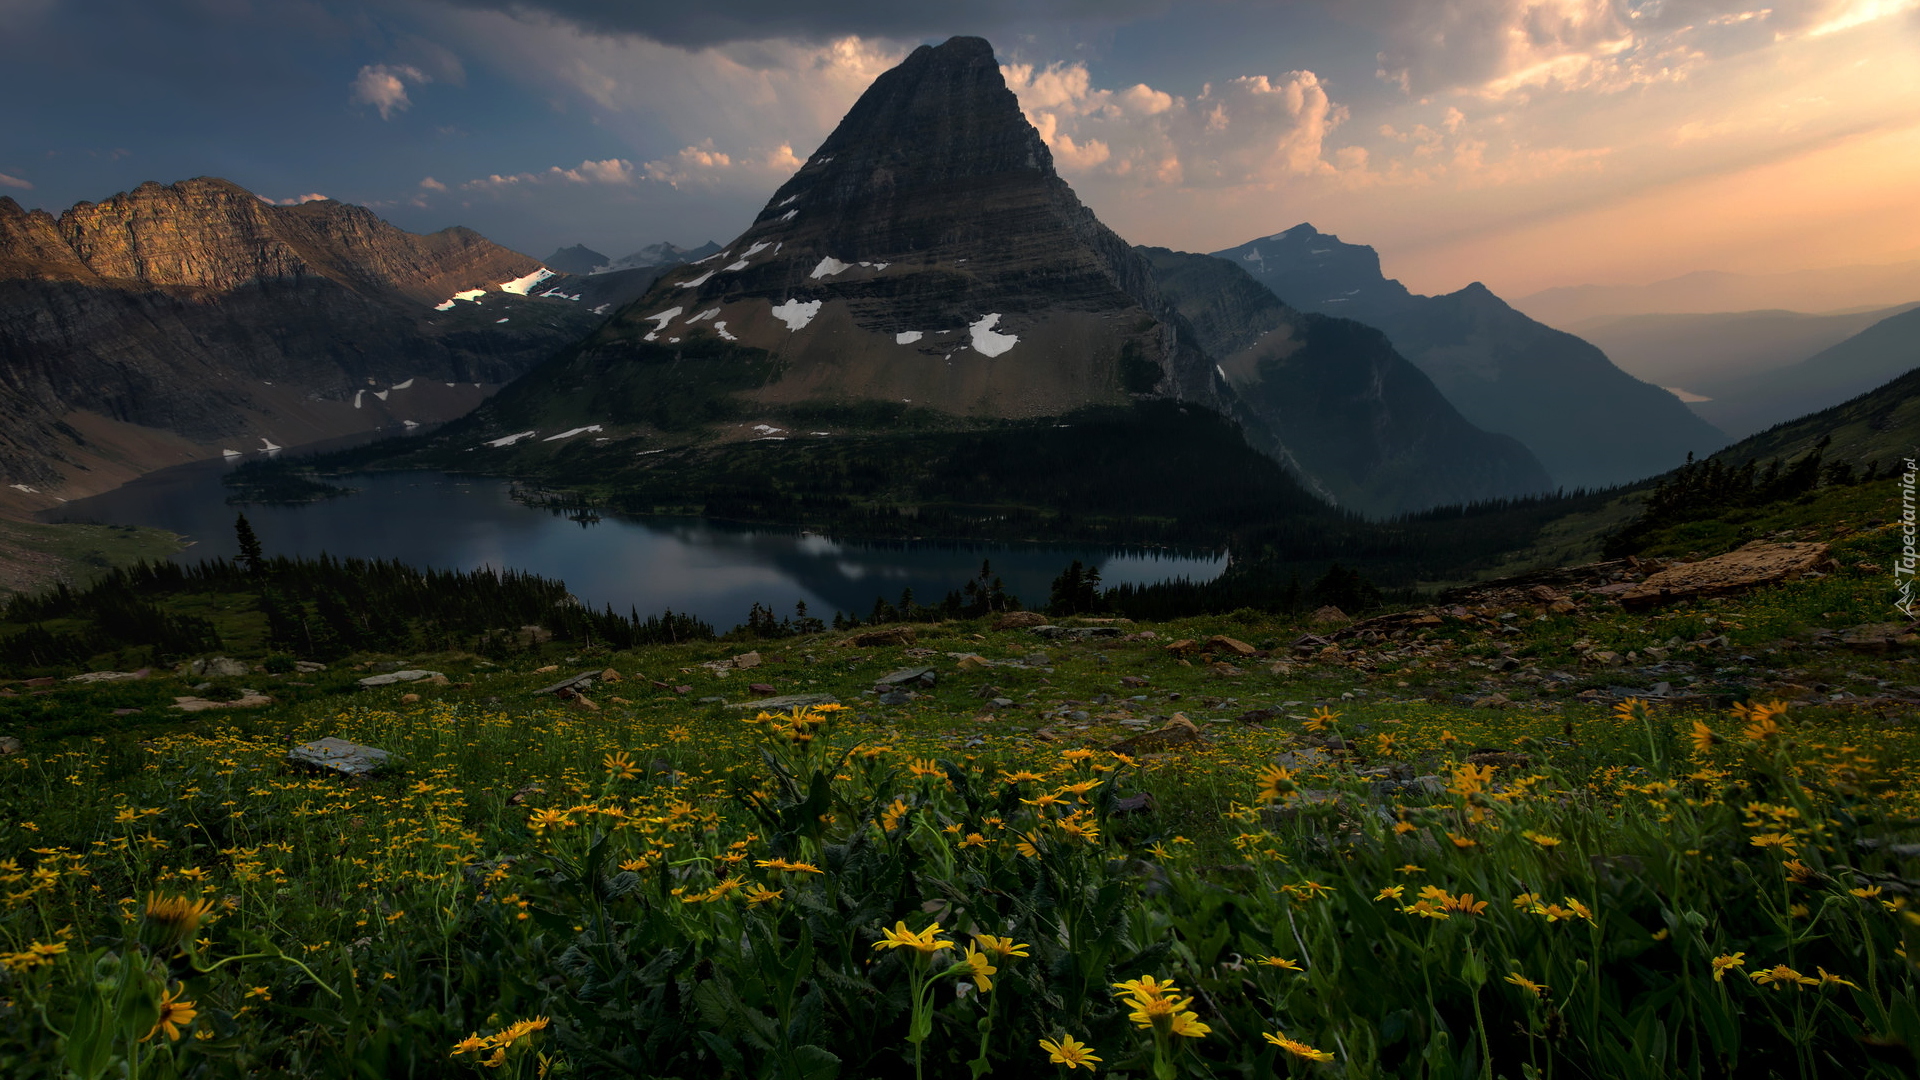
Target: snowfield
[[519, 286], [986, 341], [797, 313], [661, 320]]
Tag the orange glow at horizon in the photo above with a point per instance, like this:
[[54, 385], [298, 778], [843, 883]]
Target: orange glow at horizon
[[1852, 201]]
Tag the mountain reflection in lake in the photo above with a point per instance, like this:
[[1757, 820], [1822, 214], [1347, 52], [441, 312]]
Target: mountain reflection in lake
[[712, 570]]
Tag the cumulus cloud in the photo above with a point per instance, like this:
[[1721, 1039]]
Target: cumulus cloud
[[430, 184], [737, 111], [690, 163], [384, 86], [14, 182], [1508, 48], [608, 171], [702, 25], [1254, 130], [297, 200]]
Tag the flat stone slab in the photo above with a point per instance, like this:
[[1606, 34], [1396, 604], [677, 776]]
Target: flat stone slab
[[339, 755], [1756, 563], [923, 675], [252, 699], [393, 677], [110, 676], [577, 682], [789, 701], [1079, 633]]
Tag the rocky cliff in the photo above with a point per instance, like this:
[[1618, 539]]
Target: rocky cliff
[[173, 321], [926, 254], [1590, 423], [1334, 400]]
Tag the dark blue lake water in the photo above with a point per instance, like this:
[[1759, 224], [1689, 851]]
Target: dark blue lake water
[[712, 570]]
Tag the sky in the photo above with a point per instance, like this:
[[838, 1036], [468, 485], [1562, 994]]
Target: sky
[[1521, 143]]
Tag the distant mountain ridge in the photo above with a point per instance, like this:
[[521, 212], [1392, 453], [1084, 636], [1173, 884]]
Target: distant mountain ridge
[[1588, 422], [1691, 349], [1750, 403], [174, 320], [578, 259], [1330, 397], [663, 255], [1830, 289]]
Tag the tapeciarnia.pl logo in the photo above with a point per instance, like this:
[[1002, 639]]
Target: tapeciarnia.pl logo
[[1903, 567]]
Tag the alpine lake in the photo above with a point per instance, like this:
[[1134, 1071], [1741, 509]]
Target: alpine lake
[[713, 570]]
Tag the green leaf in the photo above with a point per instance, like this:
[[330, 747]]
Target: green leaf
[[815, 1063]]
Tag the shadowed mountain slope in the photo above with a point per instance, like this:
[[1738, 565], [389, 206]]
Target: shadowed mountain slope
[[1589, 423], [1331, 397]]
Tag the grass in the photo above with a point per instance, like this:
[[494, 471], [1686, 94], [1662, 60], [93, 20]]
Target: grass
[[34, 556], [630, 890]]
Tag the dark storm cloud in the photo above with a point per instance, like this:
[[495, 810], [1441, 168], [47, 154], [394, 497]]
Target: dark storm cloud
[[696, 25]]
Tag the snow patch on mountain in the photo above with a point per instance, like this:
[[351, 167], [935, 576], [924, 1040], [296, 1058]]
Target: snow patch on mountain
[[988, 342], [796, 313], [661, 320], [519, 286]]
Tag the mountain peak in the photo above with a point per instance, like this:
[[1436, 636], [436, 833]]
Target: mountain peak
[[927, 254], [1302, 231], [943, 115]]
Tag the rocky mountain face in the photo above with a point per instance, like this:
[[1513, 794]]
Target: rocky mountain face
[[926, 255], [1331, 397], [170, 322], [1588, 422]]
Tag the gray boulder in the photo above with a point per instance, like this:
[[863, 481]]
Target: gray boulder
[[339, 755], [789, 701], [918, 678], [393, 677]]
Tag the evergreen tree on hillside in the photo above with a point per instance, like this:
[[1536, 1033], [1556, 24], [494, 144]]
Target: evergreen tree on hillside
[[252, 556]]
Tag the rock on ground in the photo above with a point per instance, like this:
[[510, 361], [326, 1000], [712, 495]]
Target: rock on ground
[[392, 677], [339, 755], [1760, 562], [789, 701]]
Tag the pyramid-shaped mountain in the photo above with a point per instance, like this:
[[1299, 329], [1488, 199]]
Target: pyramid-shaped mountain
[[926, 255]]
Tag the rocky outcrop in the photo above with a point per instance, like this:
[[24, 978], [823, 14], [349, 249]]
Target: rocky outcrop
[[1759, 562], [1589, 423], [197, 309], [1332, 399]]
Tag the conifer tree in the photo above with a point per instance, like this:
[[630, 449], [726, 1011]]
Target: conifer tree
[[252, 555]]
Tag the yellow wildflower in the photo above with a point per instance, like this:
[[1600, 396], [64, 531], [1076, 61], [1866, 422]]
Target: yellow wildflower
[[1531, 987], [922, 942], [175, 1015], [1295, 1046], [1069, 1052]]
